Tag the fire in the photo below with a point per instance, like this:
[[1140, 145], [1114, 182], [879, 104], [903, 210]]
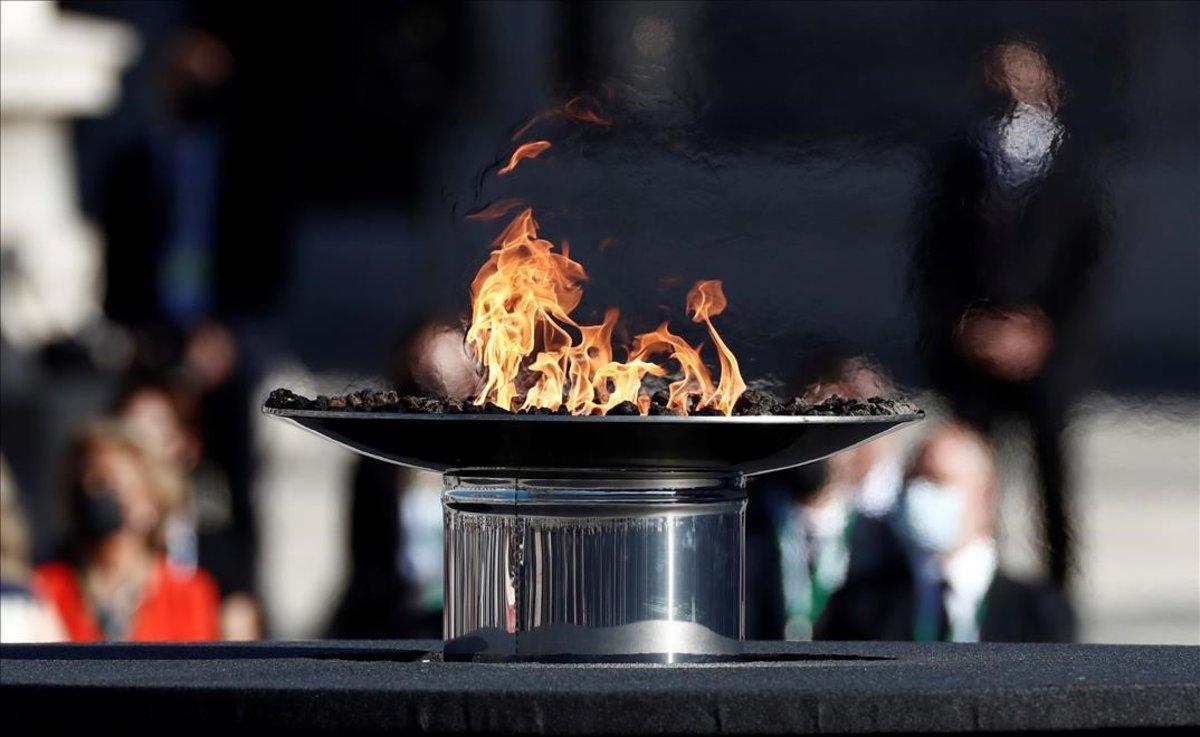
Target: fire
[[495, 210], [534, 355], [574, 109], [705, 300], [695, 380], [529, 150]]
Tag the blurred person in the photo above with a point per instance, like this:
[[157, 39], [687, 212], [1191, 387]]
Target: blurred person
[[178, 203], [205, 532], [395, 535], [213, 367], [832, 523], [1004, 271], [162, 196], [395, 542], [947, 585], [116, 582], [195, 236], [767, 502], [24, 616], [874, 468]]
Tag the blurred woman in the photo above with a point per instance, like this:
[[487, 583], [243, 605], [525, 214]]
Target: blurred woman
[[118, 584], [213, 529], [23, 616]]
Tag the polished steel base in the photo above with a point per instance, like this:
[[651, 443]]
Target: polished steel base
[[598, 568]]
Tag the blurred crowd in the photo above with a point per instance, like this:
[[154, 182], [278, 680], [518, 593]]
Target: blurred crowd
[[158, 539], [155, 533], [884, 543]]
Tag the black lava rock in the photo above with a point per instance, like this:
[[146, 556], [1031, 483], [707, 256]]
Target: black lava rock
[[625, 408], [752, 403], [286, 399], [796, 406]]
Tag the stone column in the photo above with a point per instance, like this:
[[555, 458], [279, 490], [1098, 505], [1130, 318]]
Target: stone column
[[53, 67]]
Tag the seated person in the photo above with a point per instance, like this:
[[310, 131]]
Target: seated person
[[213, 528], [827, 517], [947, 585], [395, 535], [24, 617], [117, 583]]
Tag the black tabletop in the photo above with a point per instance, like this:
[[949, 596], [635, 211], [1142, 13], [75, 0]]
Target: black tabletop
[[778, 687]]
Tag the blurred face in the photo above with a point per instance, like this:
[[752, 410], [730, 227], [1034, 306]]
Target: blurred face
[[948, 499], [211, 355], [847, 469], [114, 469], [152, 415], [442, 365], [1027, 75]]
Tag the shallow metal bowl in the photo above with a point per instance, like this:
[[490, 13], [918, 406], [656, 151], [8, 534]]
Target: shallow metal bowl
[[550, 445]]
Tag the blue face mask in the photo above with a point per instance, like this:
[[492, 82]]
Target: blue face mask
[[932, 515]]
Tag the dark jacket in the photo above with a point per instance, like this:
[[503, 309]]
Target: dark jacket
[[379, 601], [1039, 245], [882, 607]]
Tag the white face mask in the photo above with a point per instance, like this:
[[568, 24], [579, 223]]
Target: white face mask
[[932, 515], [1021, 147]]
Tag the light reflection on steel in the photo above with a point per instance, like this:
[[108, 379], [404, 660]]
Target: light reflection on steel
[[594, 568]]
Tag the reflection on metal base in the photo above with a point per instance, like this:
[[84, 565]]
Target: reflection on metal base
[[647, 641], [593, 568]]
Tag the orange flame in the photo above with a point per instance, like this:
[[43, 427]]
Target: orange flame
[[495, 210], [523, 335], [705, 300], [529, 150], [695, 381], [572, 109]]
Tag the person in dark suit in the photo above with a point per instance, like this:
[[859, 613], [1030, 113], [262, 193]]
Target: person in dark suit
[[1004, 272], [384, 597], [812, 528], [944, 582], [395, 586]]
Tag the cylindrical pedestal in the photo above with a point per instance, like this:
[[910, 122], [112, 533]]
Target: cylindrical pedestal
[[593, 569]]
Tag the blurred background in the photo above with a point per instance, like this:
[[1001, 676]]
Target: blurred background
[[202, 203]]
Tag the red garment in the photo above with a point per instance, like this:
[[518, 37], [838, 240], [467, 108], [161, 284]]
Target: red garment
[[176, 606]]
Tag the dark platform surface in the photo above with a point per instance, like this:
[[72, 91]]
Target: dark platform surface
[[800, 687], [524, 446]]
